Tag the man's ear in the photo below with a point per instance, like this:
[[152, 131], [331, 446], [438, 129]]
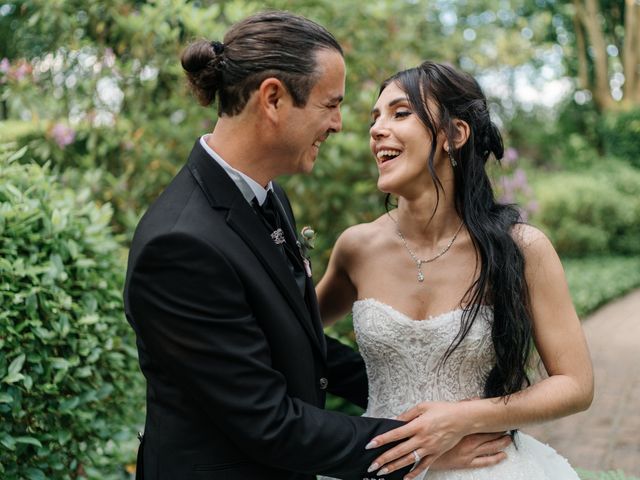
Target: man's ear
[[272, 96]]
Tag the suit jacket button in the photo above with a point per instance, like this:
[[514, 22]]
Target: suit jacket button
[[324, 383]]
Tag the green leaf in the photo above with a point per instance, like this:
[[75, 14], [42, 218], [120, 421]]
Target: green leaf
[[35, 474], [15, 192], [59, 363], [5, 398], [14, 374], [70, 404], [28, 440], [13, 378], [17, 155], [64, 436], [8, 441], [90, 319], [17, 364]]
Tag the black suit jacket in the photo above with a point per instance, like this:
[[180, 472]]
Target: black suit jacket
[[235, 359]]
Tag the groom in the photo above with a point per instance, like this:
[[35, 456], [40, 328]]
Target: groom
[[221, 300]]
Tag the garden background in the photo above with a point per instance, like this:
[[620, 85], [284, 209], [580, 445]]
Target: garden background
[[95, 119]]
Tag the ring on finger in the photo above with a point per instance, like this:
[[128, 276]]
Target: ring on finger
[[416, 458]]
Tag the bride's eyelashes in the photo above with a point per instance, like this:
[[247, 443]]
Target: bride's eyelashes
[[402, 113], [399, 114]]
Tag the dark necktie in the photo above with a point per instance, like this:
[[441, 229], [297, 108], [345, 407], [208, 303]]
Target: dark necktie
[[268, 212]]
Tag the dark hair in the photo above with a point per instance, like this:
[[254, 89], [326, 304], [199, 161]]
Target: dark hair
[[501, 280], [268, 44]]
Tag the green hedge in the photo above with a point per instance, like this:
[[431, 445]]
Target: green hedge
[[18, 131], [592, 212], [593, 281], [620, 133], [108, 157], [70, 388], [610, 475]]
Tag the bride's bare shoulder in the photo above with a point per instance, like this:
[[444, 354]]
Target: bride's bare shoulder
[[528, 238], [363, 237], [537, 249]]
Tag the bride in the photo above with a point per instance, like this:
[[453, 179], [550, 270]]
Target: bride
[[450, 289]]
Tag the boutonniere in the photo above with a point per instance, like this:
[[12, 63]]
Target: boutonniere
[[306, 241], [307, 238]]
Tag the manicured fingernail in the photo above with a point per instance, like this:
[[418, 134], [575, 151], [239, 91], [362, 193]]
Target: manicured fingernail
[[374, 466], [383, 471], [371, 444]]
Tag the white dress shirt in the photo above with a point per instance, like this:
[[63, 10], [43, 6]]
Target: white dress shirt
[[248, 186]]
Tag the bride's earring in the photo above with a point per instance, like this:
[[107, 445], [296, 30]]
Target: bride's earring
[[451, 159]]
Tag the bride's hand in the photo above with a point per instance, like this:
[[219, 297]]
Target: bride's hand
[[432, 429]]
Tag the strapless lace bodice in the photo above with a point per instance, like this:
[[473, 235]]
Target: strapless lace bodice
[[403, 357], [403, 366]]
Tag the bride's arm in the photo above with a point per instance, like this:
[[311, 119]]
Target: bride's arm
[[435, 427], [336, 292]]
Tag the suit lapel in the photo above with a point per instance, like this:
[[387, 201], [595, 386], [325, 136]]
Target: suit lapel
[[254, 235], [310, 289], [221, 192]]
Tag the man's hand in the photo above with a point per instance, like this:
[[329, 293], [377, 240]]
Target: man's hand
[[475, 451]]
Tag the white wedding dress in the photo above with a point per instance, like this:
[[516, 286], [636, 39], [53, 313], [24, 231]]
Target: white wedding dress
[[402, 357]]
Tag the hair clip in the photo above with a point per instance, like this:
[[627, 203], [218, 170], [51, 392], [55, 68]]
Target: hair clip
[[218, 47]]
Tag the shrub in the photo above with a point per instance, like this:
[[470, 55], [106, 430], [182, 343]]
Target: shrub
[[609, 475], [620, 133], [593, 281], [592, 212], [69, 380], [124, 172], [17, 130], [567, 139]]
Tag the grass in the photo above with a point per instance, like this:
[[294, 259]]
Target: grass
[[593, 281], [610, 475]]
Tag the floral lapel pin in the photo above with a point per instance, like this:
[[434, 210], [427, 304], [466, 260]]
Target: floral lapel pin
[[306, 242]]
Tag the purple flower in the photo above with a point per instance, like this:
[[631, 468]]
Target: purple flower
[[510, 157], [506, 184], [21, 71], [533, 206], [519, 179], [5, 65], [63, 135], [507, 197]]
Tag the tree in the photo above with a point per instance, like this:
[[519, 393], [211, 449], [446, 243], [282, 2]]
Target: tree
[[603, 30]]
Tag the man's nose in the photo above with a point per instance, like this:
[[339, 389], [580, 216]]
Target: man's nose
[[336, 121]]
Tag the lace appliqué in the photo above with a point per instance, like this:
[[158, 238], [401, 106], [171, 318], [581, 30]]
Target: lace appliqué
[[403, 357]]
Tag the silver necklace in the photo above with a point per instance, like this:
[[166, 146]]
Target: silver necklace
[[418, 261]]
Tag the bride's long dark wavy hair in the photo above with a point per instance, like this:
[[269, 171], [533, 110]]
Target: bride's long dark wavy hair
[[500, 280]]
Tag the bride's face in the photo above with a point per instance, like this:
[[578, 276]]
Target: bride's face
[[400, 143]]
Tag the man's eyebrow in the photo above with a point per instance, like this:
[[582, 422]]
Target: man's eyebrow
[[392, 103], [337, 99]]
